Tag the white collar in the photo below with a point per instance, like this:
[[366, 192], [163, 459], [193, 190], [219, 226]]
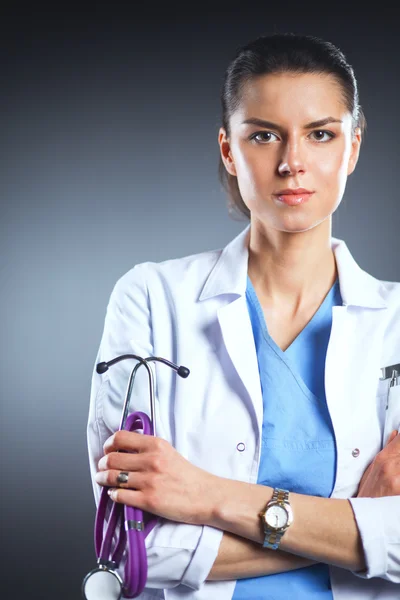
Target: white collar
[[229, 275]]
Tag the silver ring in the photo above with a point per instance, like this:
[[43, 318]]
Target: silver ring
[[122, 477]]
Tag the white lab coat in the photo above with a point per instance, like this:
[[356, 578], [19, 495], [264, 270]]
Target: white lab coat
[[193, 311]]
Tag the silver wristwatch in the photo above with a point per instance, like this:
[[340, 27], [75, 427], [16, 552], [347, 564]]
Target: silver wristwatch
[[276, 518]]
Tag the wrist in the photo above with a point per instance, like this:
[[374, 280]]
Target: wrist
[[236, 508], [276, 518]]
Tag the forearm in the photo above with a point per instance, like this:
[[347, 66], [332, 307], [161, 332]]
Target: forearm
[[324, 529], [239, 558]]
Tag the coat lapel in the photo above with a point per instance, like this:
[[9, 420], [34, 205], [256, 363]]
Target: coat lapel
[[352, 370], [352, 367], [355, 346], [238, 337], [228, 281]]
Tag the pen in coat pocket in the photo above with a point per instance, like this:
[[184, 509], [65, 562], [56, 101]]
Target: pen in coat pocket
[[388, 416], [392, 383]]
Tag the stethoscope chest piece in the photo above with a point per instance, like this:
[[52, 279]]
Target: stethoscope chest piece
[[102, 584]]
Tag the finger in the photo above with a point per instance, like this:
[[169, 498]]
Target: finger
[[134, 498], [129, 441], [110, 479], [393, 441], [125, 461], [391, 436], [121, 461]]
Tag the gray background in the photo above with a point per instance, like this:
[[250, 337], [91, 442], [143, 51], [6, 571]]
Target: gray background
[[109, 123]]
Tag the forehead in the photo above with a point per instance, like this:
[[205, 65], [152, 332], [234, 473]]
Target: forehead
[[288, 97]]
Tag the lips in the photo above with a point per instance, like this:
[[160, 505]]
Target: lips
[[293, 191], [293, 197]]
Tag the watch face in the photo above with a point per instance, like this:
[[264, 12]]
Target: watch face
[[276, 517]]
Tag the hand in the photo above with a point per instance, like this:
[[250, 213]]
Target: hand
[[382, 477], [160, 480]]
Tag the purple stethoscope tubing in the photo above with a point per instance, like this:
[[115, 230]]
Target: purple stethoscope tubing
[[132, 528]]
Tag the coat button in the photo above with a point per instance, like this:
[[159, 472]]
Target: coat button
[[240, 447], [356, 452]]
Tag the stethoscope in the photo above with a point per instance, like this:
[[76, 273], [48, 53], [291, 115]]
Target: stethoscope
[[104, 582]]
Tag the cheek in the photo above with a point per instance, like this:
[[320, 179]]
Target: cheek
[[253, 172], [246, 163], [256, 173], [333, 169]]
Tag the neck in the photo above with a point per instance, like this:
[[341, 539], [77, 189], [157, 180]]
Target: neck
[[294, 269]]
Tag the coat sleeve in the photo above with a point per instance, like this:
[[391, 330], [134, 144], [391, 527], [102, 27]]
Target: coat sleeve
[[378, 521], [177, 553]]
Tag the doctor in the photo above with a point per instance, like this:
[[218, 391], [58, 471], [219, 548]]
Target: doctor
[[276, 470]]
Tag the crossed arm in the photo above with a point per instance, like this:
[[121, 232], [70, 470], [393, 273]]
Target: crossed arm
[[163, 482], [239, 558]]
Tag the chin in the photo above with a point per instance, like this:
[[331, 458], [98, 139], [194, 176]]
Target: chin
[[296, 219], [297, 223]]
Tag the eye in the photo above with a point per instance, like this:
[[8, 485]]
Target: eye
[[265, 137], [320, 135]]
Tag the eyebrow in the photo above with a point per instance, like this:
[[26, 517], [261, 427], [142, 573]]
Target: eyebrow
[[270, 125]]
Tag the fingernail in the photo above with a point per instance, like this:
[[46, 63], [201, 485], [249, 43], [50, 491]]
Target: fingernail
[[110, 492]]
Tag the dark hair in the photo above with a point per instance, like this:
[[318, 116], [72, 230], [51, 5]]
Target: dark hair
[[282, 53]]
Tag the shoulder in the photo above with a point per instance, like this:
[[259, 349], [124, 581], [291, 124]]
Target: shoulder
[[390, 292], [191, 271]]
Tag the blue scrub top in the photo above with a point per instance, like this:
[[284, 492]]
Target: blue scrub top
[[298, 446]]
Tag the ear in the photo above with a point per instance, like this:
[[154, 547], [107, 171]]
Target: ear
[[355, 151], [226, 153]]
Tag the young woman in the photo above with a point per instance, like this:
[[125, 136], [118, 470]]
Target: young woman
[[276, 469]]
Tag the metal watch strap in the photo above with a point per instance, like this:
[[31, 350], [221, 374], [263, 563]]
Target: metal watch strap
[[272, 537]]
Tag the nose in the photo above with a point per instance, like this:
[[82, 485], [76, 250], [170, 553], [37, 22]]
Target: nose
[[291, 160]]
